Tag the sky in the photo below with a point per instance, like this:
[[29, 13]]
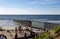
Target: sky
[[33, 7]]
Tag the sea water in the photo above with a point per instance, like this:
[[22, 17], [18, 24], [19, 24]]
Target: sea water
[[6, 20], [43, 17]]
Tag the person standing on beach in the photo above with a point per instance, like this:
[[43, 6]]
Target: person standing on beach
[[16, 36], [19, 28]]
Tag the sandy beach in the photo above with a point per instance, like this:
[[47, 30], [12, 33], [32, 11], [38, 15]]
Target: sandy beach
[[8, 35]]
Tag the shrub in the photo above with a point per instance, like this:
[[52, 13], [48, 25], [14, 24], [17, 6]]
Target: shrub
[[56, 29], [44, 35]]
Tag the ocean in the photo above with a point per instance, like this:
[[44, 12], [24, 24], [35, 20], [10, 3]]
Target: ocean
[[42, 17], [6, 20]]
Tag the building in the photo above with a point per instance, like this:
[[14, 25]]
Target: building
[[45, 24], [51, 24], [38, 23]]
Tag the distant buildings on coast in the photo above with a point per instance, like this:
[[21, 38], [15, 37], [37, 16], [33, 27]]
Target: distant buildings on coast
[[45, 24], [38, 24], [29, 23], [22, 27]]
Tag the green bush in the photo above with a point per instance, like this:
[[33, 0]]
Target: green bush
[[56, 29], [44, 36], [47, 35]]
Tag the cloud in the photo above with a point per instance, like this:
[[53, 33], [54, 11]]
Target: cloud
[[15, 11], [44, 1]]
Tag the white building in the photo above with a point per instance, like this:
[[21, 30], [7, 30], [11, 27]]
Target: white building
[[44, 24]]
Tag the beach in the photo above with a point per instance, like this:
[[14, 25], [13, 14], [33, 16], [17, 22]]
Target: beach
[[7, 34]]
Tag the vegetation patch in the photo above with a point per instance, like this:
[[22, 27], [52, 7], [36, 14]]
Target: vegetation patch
[[47, 35]]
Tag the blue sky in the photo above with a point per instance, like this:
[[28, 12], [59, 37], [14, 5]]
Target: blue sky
[[29, 6]]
